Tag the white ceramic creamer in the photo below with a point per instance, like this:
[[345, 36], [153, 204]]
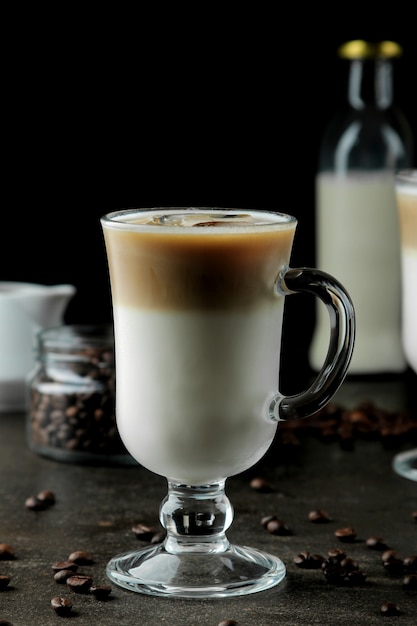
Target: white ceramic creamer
[[25, 308]]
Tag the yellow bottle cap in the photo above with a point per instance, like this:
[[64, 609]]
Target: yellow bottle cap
[[360, 49]]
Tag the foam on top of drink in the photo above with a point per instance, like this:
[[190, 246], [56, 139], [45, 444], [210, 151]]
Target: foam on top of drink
[[192, 218]]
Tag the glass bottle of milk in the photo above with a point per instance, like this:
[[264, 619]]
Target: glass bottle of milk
[[357, 237]]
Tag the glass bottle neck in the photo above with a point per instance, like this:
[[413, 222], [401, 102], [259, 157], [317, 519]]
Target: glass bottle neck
[[370, 83]]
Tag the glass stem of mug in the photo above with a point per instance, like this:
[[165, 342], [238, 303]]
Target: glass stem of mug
[[196, 518]]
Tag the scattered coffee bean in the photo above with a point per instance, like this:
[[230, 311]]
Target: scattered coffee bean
[[100, 591], [356, 577], [409, 582], [62, 575], [319, 516], [63, 565], [4, 622], [228, 622], [349, 564], [388, 555], [305, 560], [80, 583], [4, 581], [342, 570], [61, 605], [6, 552], [278, 527], [81, 557], [34, 504], [394, 566], [143, 532], [390, 608], [47, 497], [336, 555], [347, 535], [410, 563], [414, 515], [367, 421], [376, 543], [266, 519], [261, 485]]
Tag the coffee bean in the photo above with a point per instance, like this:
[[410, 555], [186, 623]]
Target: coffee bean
[[228, 622], [305, 560], [6, 552], [336, 555], [100, 591], [80, 583], [143, 532], [365, 421], [261, 485], [4, 581], [390, 608], [62, 575], [319, 516], [278, 527], [61, 605], [414, 515], [347, 535], [61, 565], [410, 563], [376, 543], [349, 564], [81, 557], [356, 577], [47, 497], [388, 555], [266, 519], [394, 566], [34, 504], [342, 570], [409, 582], [4, 622]]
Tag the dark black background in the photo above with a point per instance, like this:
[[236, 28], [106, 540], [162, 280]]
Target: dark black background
[[196, 106]]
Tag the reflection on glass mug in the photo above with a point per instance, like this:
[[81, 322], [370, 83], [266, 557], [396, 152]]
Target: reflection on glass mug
[[198, 300]]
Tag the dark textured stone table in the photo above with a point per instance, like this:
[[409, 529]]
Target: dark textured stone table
[[96, 508]]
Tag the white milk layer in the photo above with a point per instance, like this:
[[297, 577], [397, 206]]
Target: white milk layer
[[409, 268], [358, 242], [192, 388]]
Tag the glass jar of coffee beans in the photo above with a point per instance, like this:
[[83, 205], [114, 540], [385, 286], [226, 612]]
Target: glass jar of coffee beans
[[71, 397]]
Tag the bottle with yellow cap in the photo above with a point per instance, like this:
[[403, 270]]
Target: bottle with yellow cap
[[357, 236]]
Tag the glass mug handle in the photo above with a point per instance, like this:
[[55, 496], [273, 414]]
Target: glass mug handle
[[342, 337]]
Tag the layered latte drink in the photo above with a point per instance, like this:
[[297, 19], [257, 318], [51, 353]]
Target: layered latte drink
[[406, 189], [198, 332]]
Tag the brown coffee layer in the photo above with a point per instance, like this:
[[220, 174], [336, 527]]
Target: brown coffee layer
[[197, 271], [407, 209]]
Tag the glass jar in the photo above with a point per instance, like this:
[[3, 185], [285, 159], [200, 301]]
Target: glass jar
[[71, 397]]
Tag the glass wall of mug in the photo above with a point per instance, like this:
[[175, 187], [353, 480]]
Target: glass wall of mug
[[405, 463]]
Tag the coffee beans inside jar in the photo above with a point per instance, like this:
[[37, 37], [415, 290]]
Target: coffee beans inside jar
[[71, 396]]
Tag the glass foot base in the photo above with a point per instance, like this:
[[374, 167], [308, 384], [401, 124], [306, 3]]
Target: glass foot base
[[234, 572], [405, 464]]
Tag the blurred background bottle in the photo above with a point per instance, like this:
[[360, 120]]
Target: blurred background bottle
[[357, 235]]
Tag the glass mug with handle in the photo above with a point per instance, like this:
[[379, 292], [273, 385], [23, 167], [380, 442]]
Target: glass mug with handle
[[405, 463], [198, 299]]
